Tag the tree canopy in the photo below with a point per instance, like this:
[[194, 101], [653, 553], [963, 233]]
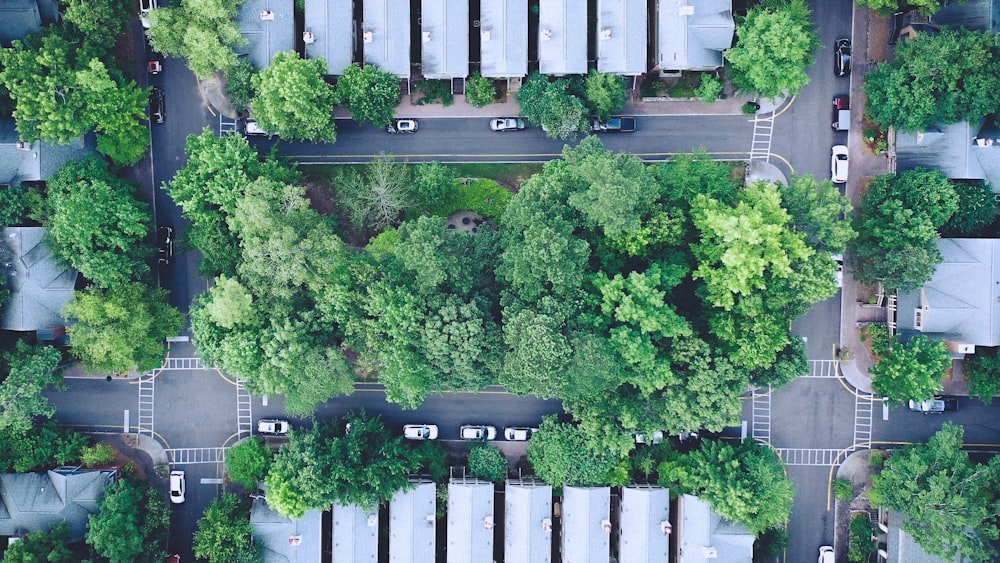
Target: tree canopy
[[30, 370], [131, 524], [370, 93], [202, 31], [42, 546], [553, 107], [248, 462], [605, 94], [224, 531], [911, 371], [886, 8], [292, 99], [564, 454]]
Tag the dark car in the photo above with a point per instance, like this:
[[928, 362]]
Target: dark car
[[617, 124], [164, 245], [842, 57], [157, 106]]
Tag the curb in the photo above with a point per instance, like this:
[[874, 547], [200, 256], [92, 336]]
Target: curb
[[153, 447]]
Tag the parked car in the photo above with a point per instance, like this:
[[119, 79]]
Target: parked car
[[518, 433], [177, 487], [838, 259], [838, 164], [254, 128], [478, 432], [145, 7], [164, 245], [157, 106], [641, 438], [826, 555], [619, 124], [508, 123], [272, 426], [842, 113], [939, 404], [420, 431], [842, 57], [154, 66], [402, 126]]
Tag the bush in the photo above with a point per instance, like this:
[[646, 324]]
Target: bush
[[770, 544], [484, 196], [239, 85], [42, 447], [842, 489], [861, 545], [870, 136], [877, 458], [432, 458], [878, 334], [98, 454], [710, 88], [434, 91], [487, 463], [247, 463], [480, 91], [12, 207], [983, 373]]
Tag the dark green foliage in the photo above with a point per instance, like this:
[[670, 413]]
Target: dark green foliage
[[790, 363], [983, 373], [911, 371], [487, 463], [29, 371], [886, 8], [239, 85], [977, 209], [433, 185], [842, 489], [204, 32], [37, 547], [132, 523], [224, 531], [770, 544], [371, 94], [480, 91], [43, 446], [435, 91], [247, 463], [861, 546], [552, 106], [291, 98], [13, 211], [432, 459], [564, 454]]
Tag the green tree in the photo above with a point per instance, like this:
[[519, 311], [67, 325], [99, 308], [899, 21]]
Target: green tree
[[369, 93], [886, 8], [98, 454], [131, 524], [42, 546], [745, 483], [322, 466], [432, 184], [292, 98], [118, 110], [376, 198], [487, 463], [100, 22], [932, 81], [123, 328], [42, 446], [224, 530], [983, 373], [248, 462], [231, 303], [31, 369], [202, 31], [911, 371], [605, 94], [96, 223], [239, 85], [552, 106], [480, 91], [709, 89], [564, 454], [977, 209], [949, 501], [13, 208], [818, 210], [776, 44]]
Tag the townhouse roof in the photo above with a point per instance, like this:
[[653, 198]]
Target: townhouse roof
[[331, 24], [269, 27], [503, 38], [562, 37], [621, 36], [385, 35]]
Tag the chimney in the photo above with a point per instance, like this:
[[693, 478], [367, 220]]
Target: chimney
[[267, 15]]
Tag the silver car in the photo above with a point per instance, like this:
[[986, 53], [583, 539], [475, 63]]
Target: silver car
[[478, 432], [518, 433]]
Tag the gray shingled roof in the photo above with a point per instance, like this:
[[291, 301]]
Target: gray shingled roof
[[386, 35], [265, 38], [40, 286], [503, 34], [470, 521], [331, 23], [285, 540], [961, 151], [975, 15], [17, 164], [640, 533], [562, 37], [444, 38], [699, 527], [527, 504], [19, 17], [621, 36], [584, 539], [355, 534], [961, 302], [35, 501], [412, 525], [902, 549], [693, 34]]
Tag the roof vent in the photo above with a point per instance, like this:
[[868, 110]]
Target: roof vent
[[709, 552], [606, 33], [266, 15], [666, 528], [429, 519], [22, 146], [295, 541], [426, 36], [546, 524], [606, 526], [918, 319], [485, 34], [546, 35], [308, 37], [372, 520], [686, 11], [368, 37], [488, 523]]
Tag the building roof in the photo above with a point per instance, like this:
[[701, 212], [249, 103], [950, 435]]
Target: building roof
[[19, 17], [444, 38], [692, 34], [585, 524], [31, 162], [332, 25], [285, 540], [470, 521], [503, 38], [621, 36], [961, 302], [39, 285], [355, 534], [412, 524], [266, 35], [641, 536], [562, 37], [386, 35], [974, 15], [701, 530], [901, 547], [961, 151], [35, 501], [528, 522]]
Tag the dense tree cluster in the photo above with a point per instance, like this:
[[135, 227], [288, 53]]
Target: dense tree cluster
[[132, 523], [293, 100], [204, 32], [886, 8], [224, 533], [912, 370], [564, 107]]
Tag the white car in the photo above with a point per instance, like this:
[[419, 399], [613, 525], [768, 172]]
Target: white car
[[254, 128], [177, 487], [402, 126], [145, 7], [518, 433], [826, 555], [657, 437], [838, 164], [478, 432], [508, 123], [838, 259], [272, 426], [420, 431]]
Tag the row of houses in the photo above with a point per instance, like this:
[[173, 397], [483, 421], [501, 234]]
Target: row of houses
[[686, 35], [591, 525]]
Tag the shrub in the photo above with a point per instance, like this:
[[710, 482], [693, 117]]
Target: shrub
[[484, 196], [861, 546], [870, 136], [434, 91], [842, 489], [247, 463], [487, 463], [877, 458], [98, 454], [12, 207], [433, 458], [878, 334], [710, 88], [750, 108], [983, 373], [480, 91], [239, 85]]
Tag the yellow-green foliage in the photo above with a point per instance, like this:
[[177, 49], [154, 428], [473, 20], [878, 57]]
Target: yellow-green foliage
[[484, 196]]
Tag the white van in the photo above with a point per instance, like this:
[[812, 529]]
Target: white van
[[252, 128]]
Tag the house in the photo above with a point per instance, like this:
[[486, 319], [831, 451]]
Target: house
[[703, 536], [287, 540], [621, 36], [503, 38], [329, 33], [385, 35], [586, 524], [974, 15], [269, 28], [355, 534], [961, 151], [21, 17], [412, 524], [692, 34], [644, 524], [562, 37], [900, 546], [470, 521], [961, 303], [39, 285], [444, 39], [22, 162], [528, 521], [33, 502]]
